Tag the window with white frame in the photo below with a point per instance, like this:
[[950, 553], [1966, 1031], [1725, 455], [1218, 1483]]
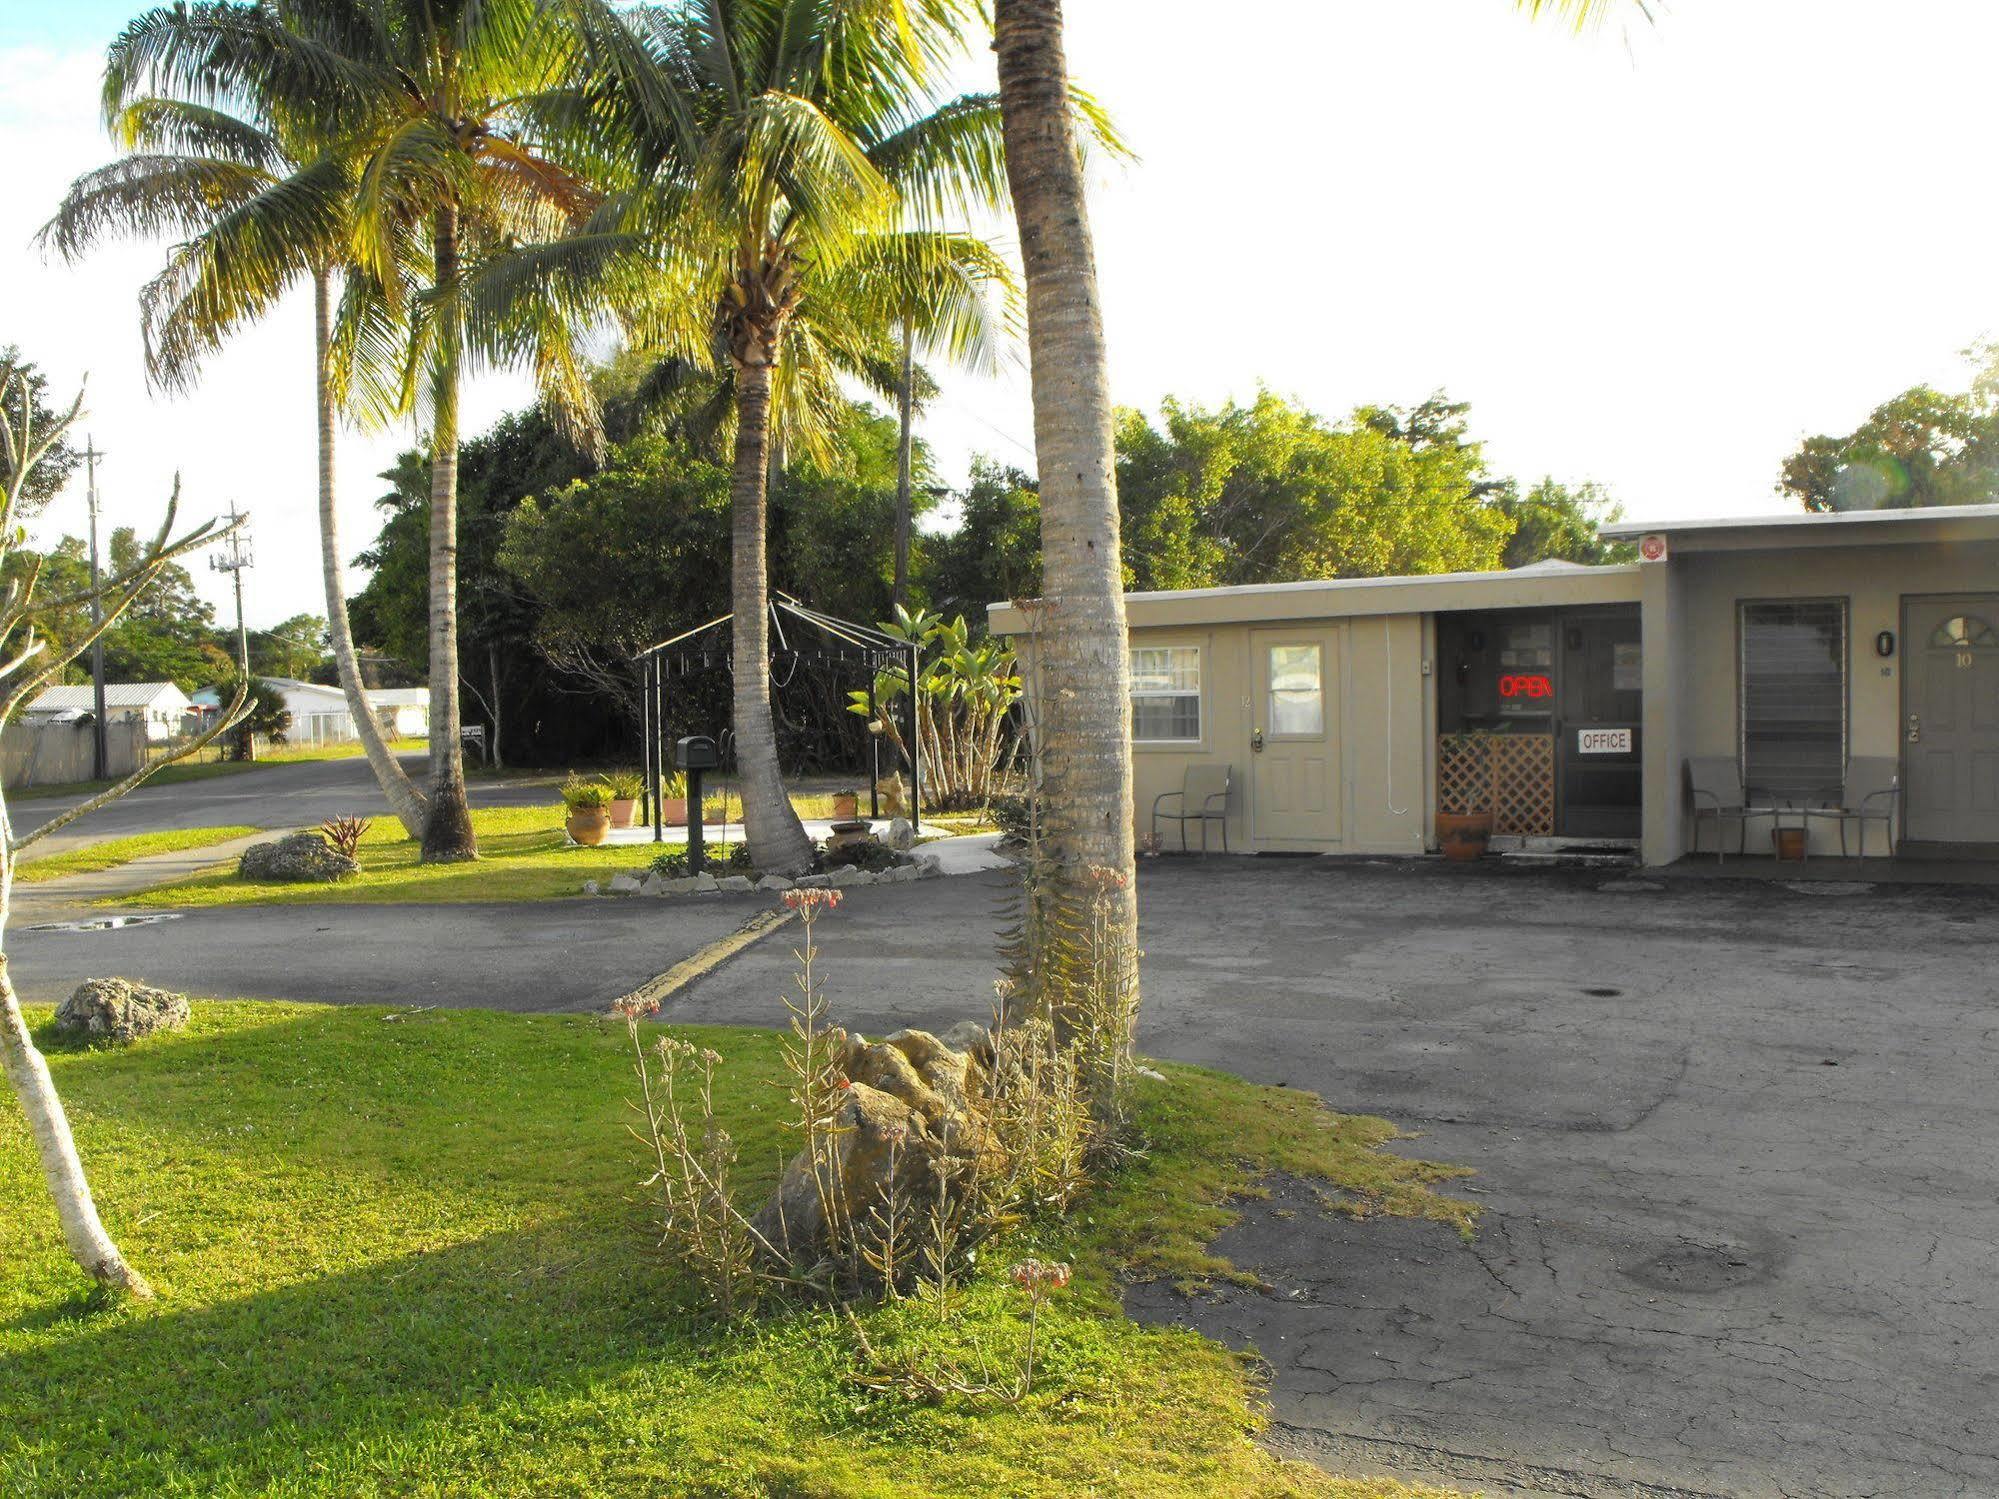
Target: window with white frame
[[1793, 686], [1166, 694]]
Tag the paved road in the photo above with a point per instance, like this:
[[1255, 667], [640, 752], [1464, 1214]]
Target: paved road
[[1738, 1147], [277, 796]]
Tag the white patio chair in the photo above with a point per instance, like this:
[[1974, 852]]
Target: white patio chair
[[1203, 797]]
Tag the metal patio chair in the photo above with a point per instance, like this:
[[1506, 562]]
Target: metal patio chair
[[1204, 798], [1714, 792], [1871, 792]]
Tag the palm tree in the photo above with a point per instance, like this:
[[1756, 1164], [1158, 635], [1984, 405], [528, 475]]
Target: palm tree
[[254, 221], [785, 164], [427, 108], [1083, 713]]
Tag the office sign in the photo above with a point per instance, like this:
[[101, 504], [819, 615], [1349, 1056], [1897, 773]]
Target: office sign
[[1603, 741]]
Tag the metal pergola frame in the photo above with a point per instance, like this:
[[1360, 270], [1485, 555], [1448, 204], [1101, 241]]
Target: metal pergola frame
[[845, 641]]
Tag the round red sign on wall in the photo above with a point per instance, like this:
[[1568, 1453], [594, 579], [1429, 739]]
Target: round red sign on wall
[[1652, 548]]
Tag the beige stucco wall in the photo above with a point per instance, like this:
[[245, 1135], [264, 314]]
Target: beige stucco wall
[[1691, 690], [1378, 711]]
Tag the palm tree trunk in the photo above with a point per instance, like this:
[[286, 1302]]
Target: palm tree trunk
[[62, 1167], [905, 439], [776, 837], [447, 831], [1084, 712], [403, 797]]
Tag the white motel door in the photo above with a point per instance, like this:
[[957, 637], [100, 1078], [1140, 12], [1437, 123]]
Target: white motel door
[[1294, 761]]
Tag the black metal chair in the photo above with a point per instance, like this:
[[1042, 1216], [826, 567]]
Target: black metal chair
[[1870, 793], [1203, 797]]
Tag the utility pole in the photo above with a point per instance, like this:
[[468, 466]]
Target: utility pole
[[100, 736], [233, 558]]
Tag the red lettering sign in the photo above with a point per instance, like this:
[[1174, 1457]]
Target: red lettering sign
[[1526, 686]]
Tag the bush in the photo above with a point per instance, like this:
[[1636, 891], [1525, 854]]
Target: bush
[[867, 854], [731, 858], [1012, 815], [626, 785]]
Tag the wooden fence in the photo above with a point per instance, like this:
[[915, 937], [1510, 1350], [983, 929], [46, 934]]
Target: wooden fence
[[55, 754], [1510, 775]]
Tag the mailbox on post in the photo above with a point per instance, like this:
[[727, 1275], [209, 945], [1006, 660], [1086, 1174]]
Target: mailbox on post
[[693, 754]]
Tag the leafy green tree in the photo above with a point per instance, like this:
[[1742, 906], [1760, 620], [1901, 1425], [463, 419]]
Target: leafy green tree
[[993, 553], [295, 648], [1923, 447], [26, 391], [1558, 522], [1270, 492]]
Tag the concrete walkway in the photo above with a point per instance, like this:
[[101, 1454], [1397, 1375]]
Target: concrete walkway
[[73, 894]]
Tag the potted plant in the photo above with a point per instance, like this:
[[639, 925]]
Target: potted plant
[[846, 805], [627, 786], [1464, 795], [673, 800], [589, 804]]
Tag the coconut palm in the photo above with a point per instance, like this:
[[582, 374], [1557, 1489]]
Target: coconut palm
[[427, 109], [253, 221], [785, 166], [1083, 710]]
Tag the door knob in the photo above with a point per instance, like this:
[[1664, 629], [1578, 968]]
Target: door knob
[[1256, 742], [1915, 728]]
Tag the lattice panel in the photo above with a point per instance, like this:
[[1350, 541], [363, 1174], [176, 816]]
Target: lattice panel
[[1513, 775], [1523, 785]]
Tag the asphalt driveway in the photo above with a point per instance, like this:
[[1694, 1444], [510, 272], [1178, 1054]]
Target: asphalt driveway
[[1737, 1147]]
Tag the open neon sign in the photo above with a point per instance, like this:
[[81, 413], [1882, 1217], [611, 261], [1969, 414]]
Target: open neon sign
[[1526, 686]]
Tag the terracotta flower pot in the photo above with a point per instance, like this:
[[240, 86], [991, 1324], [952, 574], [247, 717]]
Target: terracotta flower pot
[[673, 811], [589, 825], [1463, 836], [623, 810], [846, 806]]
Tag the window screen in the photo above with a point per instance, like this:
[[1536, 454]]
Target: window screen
[[1166, 694], [1793, 684]]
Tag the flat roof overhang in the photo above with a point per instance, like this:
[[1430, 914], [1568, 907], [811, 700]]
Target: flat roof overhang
[[1538, 587], [1944, 524]]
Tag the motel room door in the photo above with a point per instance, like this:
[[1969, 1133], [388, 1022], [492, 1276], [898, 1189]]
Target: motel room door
[[1950, 720], [1294, 762]]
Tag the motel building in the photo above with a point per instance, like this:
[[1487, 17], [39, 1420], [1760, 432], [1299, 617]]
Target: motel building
[[1811, 657]]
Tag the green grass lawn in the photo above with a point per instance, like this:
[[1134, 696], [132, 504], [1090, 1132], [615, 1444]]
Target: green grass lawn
[[524, 855], [404, 1256], [115, 851]]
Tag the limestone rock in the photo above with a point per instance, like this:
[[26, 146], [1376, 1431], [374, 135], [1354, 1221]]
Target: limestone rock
[[773, 882], [301, 858], [706, 884], [120, 1010], [900, 835], [971, 1037], [737, 884], [929, 864], [589, 887], [847, 874], [687, 884], [904, 1120], [625, 883], [902, 874], [813, 881]]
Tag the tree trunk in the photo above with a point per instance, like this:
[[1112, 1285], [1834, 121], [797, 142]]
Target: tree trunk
[[447, 831], [1083, 719], [403, 797], [493, 705], [776, 837], [62, 1167], [905, 439]]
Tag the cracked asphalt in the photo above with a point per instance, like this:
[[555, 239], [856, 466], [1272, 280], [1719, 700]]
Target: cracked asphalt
[[1737, 1148]]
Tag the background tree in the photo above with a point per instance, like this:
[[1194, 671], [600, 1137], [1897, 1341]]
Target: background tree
[[210, 158], [1559, 522], [295, 648], [26, 394], [1922, 447], [26, 666]]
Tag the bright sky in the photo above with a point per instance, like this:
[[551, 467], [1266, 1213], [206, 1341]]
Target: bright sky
[[1653, 257]]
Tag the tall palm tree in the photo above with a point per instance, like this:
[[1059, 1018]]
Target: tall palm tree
[[253, 220], [1083, 716], [428, 108], [786, 163]]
